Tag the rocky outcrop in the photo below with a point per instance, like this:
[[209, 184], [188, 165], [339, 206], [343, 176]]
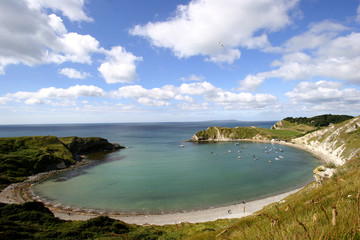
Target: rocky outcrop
[[278, 125], [80, 145], [224, 134], [322, 172]]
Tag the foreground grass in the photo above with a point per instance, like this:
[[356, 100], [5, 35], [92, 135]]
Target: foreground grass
[[330, 211]]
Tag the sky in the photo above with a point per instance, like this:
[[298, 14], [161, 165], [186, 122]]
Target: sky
[[108, 61]]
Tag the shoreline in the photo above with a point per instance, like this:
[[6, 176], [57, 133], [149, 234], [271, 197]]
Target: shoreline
[[18, 193]]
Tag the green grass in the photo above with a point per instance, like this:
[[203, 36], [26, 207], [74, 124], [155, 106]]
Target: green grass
[[24, 156], [240, 133]]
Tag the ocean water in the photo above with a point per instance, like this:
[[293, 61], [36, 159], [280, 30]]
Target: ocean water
[[155, 175]]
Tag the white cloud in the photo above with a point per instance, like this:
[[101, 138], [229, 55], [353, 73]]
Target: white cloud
[[17, 23], [325, 96], [317, 35], [251, 82], [137, 92], [153, 102], [120, 66], [193, 77], [203, 88], [197, 94], [73, 73], [56, 23], [320, 52], [30, 36], [44, 95], [74, 47], [73, 9], [197, 28]]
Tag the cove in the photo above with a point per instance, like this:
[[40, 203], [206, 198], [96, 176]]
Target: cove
[[150, 178]]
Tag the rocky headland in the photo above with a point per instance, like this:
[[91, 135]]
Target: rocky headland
[[21, 157], [338, 143]]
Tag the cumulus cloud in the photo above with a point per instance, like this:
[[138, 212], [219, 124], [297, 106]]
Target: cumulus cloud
[[197, 28], [73, 73], [120, 66], [201, 94], [323, 51], [325, 96], [73, 9], [30, 36], [74, 47], [317, 35], [251, 82], [25, 33], [192, 77], [45, 95]]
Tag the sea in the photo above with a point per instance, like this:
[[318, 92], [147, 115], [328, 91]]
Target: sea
[[160, 172]]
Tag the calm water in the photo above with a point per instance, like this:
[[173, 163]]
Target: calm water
[[154, 175]]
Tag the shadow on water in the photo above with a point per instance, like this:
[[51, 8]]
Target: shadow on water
[[94, 160]]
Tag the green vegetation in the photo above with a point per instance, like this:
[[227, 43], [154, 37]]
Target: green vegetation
[[238, 133], [24, 156], [286, 129], [319, 121]]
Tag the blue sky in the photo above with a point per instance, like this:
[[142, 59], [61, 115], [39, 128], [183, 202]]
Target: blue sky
[[76, 61]]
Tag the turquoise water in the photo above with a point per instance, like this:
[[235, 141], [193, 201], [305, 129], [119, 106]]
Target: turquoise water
[[155, 175]]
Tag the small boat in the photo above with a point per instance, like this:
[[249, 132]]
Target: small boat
[[239, 157], [277, 159], [181, 146]]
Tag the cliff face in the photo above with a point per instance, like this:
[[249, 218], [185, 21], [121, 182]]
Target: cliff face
[[340, 142]]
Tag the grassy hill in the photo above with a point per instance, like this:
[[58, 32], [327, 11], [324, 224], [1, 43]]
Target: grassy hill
[[24, 156], [243, 133], [286, 129]]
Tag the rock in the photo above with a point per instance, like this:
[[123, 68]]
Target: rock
[[80, 146], [322, 172]]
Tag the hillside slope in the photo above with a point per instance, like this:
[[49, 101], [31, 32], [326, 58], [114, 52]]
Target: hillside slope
[[340, 142], [218, 134], [23, 156]]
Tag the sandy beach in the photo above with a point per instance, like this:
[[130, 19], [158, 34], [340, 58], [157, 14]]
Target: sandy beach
[[21, 192]]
